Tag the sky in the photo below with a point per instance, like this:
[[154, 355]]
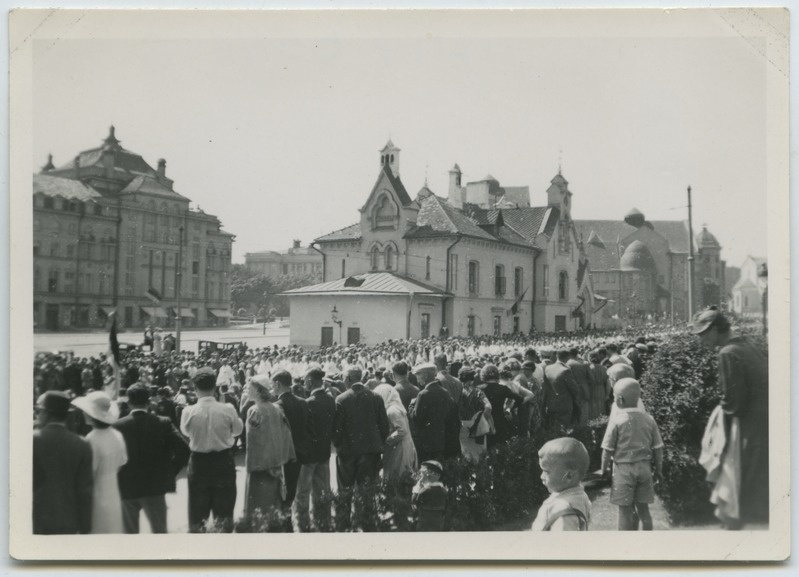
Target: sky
[[279, 136]]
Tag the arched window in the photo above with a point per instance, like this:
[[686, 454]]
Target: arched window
[[385, 213], [499, 280], [563, 285], [391, 257], [474, 277], [374, 256], [427, 269]]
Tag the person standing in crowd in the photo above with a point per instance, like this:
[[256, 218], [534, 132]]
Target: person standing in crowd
[[399, 455], [360, 430], [501, 411], [474, 410], [599, 389], [561, 394], [434, 418], [580, 371], [156, 454], [212, 428], [148, 337], [314, 481], [744, 382], [299, 418], [451, 384], [63, 483], [407, 390], [109, 454], [269, 448], [158, 342]]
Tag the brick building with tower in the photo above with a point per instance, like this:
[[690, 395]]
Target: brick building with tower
[[109, 232]]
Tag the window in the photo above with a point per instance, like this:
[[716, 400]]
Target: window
[[427, 269], [391, 254], [470, 326], [499, 280], [375, 257], [746, 301], [195, 267], [54, 249], [36, 278], [497, 325], [52, 281], [563, 285], [425, 325], [48, 202], [453, 272], [474, 277], [564, 238], [518, 281], [71, 250], [69, 282], [545, 280], [515, 324], [343, 267], [385, 214]]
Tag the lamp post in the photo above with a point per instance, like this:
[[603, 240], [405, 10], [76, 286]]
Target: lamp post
[[762, 273], [334, 317], [266, 301]]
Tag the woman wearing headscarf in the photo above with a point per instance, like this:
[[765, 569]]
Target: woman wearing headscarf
[[400, 461], [269, 447], [109, 453]]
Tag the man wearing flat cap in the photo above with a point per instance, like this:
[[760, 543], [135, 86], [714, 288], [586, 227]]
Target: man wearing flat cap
[[62, 471], [212, 428], [744, 383]]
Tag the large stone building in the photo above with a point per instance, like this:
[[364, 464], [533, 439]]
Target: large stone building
[[479, 261], [107, 230], [297, 260], [641, 266]]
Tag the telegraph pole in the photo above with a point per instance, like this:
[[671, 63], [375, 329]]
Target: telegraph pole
[[690, 259], [178, 280]]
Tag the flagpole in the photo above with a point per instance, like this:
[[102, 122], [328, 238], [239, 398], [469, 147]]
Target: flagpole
[[179, 319]]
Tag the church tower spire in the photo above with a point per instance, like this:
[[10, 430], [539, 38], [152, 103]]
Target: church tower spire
[[389, 156]]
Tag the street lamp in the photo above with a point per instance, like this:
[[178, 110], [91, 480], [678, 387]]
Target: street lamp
[[334, 317]]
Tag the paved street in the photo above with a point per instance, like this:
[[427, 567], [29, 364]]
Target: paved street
[[85, 344]]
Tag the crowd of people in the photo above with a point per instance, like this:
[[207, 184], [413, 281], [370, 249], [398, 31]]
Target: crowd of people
[[400, 410]]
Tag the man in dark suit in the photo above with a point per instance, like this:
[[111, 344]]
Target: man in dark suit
[[360, 428], [314, 479], [435, 422], [561, 393], [583, 379], [299, 417], [62, 472], [156, 454]]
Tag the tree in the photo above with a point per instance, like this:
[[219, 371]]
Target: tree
[[257, 292]]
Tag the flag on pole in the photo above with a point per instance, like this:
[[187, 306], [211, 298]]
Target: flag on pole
[[153, 295], [114, 358], [515, 308]]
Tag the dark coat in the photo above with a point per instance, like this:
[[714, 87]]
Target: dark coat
[[302, 427], [407, 393], [361, 424], [561, 392], [497, 395], [323, 415], [156, 454], [62, 482], [435, 421], [581, 377]]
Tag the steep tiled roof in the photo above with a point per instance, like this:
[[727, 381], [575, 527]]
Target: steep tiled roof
[[396, 183], [65, 187], [527, 221], [149, 185], [378, 283], [123, 159], [352, 232]]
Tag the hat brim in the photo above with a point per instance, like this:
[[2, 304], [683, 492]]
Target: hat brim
[[108, 417], [698, 329]]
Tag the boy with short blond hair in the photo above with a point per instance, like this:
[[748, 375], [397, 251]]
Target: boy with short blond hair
[[632, 440], [563, 463]]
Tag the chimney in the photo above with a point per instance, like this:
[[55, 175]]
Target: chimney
[[161, 168], [49, 166], [296, 243], [76, 167]]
